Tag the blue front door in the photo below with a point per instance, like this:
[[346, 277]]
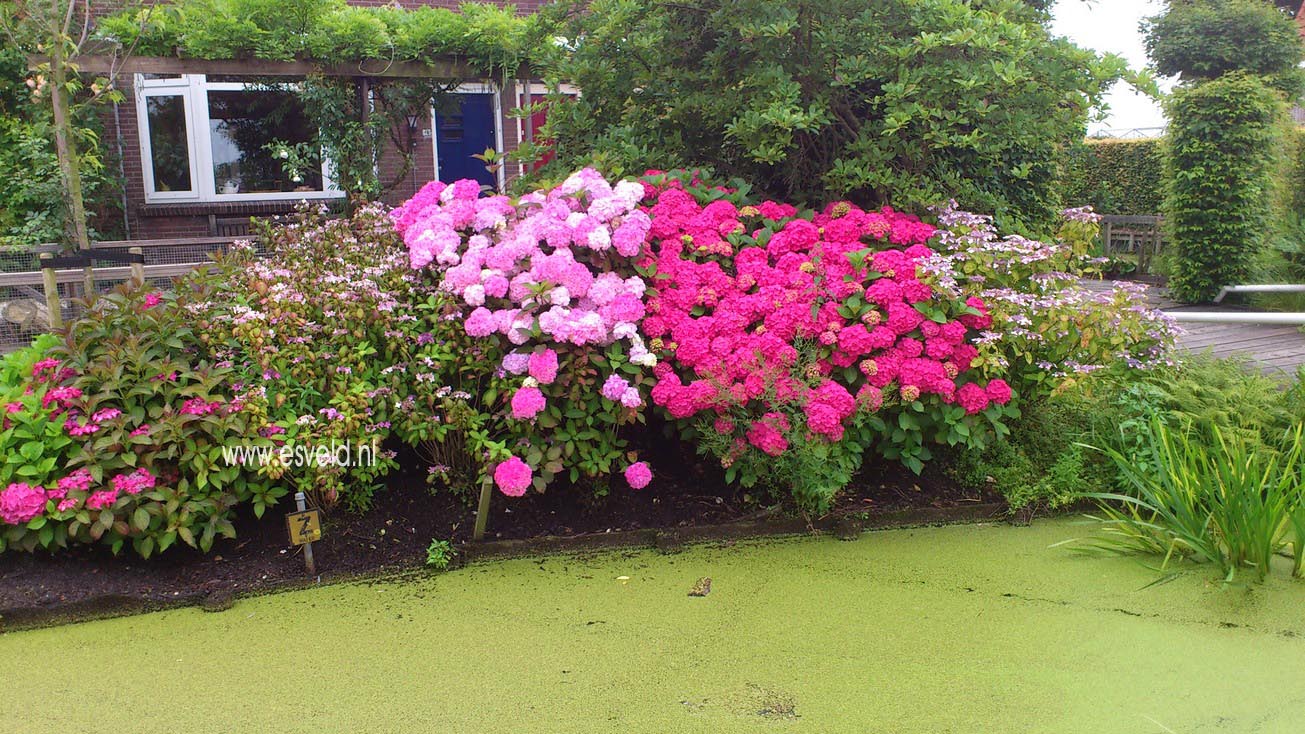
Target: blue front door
[[464, 126]]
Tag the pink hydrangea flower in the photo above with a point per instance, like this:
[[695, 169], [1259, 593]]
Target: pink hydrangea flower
[[614, 388], [199, 406], [527, 402], [972, 397], [105, 414], [21, 502], [998, 392], [102, 499], [79, 481], [135, 482], [542, 366], [638, 475], [513, 477]]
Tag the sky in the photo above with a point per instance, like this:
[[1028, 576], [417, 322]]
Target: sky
[[1112, 26]]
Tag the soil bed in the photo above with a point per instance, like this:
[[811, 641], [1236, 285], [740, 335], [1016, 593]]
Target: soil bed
[[82, 582]]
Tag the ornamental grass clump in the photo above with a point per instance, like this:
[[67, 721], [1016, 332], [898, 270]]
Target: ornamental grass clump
[[1204, 494]]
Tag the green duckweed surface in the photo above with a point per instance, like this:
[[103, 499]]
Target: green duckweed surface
[[958, 629]]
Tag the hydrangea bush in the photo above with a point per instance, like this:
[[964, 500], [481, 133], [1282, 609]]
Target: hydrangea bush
[[808, 337], [119, 435], [316, 328], [792, 341], [1047, 326], [548, 290]]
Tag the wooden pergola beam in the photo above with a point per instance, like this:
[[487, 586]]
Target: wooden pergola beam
[[451, 68]]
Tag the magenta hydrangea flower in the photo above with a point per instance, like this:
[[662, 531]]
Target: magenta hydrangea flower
[[638, 474], [102, 499], [972, 397], [527, 402], [999, 391], [542, 366], [513, 477], [80, 481], [20, 502], [135, 482]]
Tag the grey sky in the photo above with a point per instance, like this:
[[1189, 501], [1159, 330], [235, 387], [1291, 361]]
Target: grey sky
[[1112, 26]]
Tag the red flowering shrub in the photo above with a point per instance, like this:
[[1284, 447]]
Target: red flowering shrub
[[790, 342]]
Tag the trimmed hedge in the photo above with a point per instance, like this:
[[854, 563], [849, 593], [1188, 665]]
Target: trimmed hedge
[[1115, 176], [1224, 156]]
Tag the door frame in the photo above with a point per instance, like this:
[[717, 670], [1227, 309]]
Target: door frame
[[490, 88]]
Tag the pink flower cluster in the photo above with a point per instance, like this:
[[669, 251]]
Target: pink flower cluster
[[638, 475], [552, 271], [20, 502], [545, 264], [513, 477], [135, 482], [738, 290]]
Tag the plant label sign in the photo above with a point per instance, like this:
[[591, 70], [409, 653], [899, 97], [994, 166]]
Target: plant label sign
[[305, 527]]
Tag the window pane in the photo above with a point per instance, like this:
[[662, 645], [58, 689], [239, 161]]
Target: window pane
[[169, 147], [262, 142]]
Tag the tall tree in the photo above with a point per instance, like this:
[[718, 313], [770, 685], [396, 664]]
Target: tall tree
[[59, 31]]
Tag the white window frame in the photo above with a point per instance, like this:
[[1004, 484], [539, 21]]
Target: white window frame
[[491, 89], [194, 89], [165, 88], [538, 90]]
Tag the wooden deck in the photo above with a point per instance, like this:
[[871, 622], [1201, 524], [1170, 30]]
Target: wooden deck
[[1277, 350]]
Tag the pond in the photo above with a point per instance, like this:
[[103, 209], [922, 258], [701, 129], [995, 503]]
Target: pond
[[962, 628]]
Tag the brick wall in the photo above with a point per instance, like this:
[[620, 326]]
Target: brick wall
[[155, 222]]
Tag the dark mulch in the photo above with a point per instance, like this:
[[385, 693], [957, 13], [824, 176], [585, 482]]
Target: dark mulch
[[395, 533]]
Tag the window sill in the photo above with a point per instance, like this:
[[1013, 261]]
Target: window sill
[[237, 208]]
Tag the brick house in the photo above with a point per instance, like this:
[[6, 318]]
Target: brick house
[[193, 146]]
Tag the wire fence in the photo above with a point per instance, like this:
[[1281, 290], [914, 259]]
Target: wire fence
[[24, 313]]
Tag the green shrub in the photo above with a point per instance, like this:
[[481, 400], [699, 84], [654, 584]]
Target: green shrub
[[1223, 157], [315, 327], [1116, 176], [121, 432], [902, 102]]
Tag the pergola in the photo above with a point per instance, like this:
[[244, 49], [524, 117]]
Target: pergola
[[450, 68]]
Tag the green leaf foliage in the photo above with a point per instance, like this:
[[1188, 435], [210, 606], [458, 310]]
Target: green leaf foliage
[[915, 102], [1116, 176], [330, 31], [1224, 154], [1205, 39]]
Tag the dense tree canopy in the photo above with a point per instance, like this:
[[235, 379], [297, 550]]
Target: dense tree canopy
[[1205, 39], [893, 101]]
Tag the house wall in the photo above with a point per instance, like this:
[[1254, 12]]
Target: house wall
[[159, 221]]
